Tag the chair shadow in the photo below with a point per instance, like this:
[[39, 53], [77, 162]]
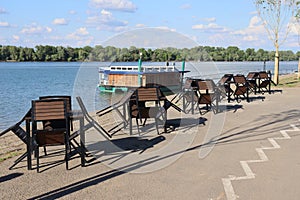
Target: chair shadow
[[228, 108], [257, 98], [136, 144], [229, 137], [47, 165], [185, 123], [10, 177], [129, 144]]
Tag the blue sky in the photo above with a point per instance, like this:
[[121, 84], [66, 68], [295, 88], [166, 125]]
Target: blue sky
[[79, 23]]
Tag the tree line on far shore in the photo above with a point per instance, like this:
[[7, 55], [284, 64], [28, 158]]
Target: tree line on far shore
[[49, 53]]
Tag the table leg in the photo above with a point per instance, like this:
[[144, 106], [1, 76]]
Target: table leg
[[82, 141], [28, 145]]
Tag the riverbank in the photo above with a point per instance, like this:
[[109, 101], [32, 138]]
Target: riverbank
[[248, 159], [289, 80], [11, 146]]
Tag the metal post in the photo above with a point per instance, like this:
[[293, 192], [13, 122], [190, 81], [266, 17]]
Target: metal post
[[82, 140], [140, 70], [182, 71]]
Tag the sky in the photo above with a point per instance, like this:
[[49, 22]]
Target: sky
[[78, 23]]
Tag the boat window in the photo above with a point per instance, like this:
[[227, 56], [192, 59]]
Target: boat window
[[129, 68], [118, 68], [113, 68], [124, 68]]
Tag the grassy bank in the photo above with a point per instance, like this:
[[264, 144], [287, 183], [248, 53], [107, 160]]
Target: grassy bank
[[289, 80]]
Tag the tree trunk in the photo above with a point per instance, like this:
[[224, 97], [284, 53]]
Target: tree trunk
[[276, 67]]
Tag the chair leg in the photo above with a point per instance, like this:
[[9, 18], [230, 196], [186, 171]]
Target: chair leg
[[156, 125], [37, 159], [45, 151], [130, 126], [144, 122], [67, 151], [138, 126]]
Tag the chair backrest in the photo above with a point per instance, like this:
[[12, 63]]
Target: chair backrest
[[252, 75], [263, 75], [69, 109], [207, 84], [240, 79], [147, 94], [50, 109], [67, 98], [225, 79], [53, 111], [202, 85]]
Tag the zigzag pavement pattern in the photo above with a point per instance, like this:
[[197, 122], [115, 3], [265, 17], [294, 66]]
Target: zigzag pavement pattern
[[229, 190]]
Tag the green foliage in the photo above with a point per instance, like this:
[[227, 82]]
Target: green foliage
[[113, 54]]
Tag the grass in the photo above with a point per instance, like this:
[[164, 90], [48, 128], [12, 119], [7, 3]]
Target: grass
[[290, 80], [10, 155]]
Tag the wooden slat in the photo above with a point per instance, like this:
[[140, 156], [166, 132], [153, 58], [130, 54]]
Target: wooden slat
[[239, 79], [263, 75], [49, 109], [147, 94]]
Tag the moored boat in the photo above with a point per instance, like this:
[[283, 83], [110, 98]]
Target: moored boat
[[122, 78]]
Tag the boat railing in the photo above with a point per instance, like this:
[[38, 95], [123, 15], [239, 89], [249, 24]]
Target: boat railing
[[143, 69]]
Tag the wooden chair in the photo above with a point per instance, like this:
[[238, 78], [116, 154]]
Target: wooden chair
[[264, 84], [252, 78], [52, 113], [140, 109], [56, 123], [224, 88], [91, 122], [208, 95], [242, 87], [188, 95], [120, 108]]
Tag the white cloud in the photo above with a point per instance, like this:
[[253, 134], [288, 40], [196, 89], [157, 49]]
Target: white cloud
[[185, 6], [3, 11], [35, 29], [294, 27], [48, 29], [106, 21], [121, 5], [78, 34], [72, 12], [166, 28], [82, 31], [198, 26], [254, 22], [60, 21], [140, 25], [211, 19], [211, 27], [4, 24], [250, 38], [105, 12], [16, 37], [254, 28]]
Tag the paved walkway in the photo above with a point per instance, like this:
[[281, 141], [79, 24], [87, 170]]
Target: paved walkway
[[254, 157]]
